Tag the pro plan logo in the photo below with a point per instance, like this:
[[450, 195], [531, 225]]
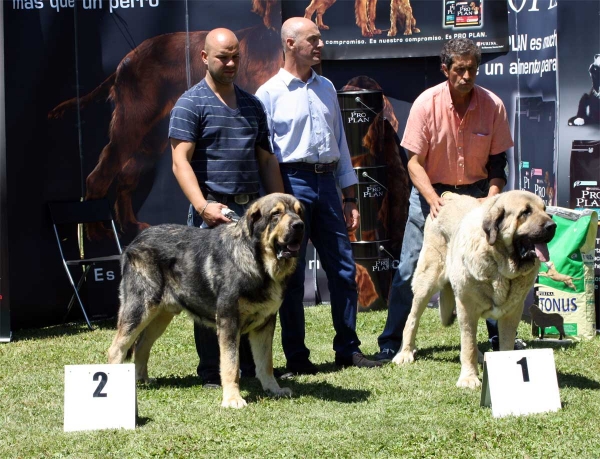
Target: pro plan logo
[[374, 191], [358, 117], [382, 264]]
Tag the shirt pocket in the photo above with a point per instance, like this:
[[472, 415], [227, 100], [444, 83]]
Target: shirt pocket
[[480, 145]]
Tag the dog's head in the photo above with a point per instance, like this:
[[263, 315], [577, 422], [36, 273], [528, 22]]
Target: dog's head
[[517, 221], [274, 223]]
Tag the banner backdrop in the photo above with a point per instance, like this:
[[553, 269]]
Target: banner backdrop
[[371, 29], [90, 85], [579, 117], [55, 151]]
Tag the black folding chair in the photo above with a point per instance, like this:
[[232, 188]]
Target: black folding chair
[[67, 220]]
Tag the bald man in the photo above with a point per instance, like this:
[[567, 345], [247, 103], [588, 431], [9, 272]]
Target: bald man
[[221, 156], [308, 138]]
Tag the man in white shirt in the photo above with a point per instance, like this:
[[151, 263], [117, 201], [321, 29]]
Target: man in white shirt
[[307, 135]]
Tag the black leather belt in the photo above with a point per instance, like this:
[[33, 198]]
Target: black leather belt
[[457, 187], [317, 168], [240, 199]]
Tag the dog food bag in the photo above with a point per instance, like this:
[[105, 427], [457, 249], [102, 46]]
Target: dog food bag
[[566, 283]]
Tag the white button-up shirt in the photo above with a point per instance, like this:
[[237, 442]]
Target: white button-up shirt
[[305, 123]]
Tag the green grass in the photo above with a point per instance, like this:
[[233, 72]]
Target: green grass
[[413, 411]]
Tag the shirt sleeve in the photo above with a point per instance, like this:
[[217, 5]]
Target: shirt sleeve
[[263, 139], [502, 138], [416, 136], [264, 98], [184, 121], [344, 173]]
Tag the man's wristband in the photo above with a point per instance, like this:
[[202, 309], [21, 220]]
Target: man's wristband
[[354, 200], [204, 208]]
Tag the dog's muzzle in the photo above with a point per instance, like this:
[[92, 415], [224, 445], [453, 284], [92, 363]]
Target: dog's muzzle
[[293, 242], [538, 248]]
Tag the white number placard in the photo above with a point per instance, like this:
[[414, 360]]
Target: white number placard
[[520, 382], [100, 397]]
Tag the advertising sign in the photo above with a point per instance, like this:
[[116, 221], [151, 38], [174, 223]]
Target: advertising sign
[[372, 29]]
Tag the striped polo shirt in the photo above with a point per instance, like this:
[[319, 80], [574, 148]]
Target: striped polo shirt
[[224, 159]]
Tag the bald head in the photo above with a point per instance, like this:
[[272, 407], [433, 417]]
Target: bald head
[[302, 45], [221, 54], [294, 27], [220, 38]]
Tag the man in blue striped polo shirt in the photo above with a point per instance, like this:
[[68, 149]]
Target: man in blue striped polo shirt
[[221, 155]]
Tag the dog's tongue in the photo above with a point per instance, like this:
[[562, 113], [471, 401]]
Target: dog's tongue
[[541, 250], [293, 247]]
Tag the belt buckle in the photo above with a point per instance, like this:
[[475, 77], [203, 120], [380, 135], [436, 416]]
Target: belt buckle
[[319, 168], [241, 199]]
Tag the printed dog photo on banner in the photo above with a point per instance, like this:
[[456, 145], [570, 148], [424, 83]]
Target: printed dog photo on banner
[[141, 91], [372, 29], [90, 106]]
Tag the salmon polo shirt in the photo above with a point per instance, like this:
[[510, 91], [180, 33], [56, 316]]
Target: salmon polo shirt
[[456, 152]]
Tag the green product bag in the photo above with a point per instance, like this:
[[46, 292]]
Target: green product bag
[[566, 283]]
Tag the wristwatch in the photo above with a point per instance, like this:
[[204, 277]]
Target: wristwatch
[[354, 200]]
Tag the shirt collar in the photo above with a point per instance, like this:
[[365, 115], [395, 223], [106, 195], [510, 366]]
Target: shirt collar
[[287, 77], [448, 98]]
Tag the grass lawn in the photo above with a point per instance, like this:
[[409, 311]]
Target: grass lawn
[[413, 411]]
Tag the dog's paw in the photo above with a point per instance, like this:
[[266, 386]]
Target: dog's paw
[[405, 356], [468, 382], [234, 402], [280, 392]]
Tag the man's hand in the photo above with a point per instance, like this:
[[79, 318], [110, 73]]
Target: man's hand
[[212, 215], [435, 205], [351, 216]]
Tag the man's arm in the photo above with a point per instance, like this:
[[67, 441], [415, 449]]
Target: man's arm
[[421, 181], [182, 152], [496, 176], [268, 168], [351, 214]]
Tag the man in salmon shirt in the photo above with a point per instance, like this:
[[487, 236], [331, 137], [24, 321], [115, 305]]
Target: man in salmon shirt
[[456, 137]]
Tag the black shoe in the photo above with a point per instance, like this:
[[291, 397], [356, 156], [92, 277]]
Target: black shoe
[[519, 344], [386, 355], [302, 367], [282, 374], [357, 360], [211, 383]]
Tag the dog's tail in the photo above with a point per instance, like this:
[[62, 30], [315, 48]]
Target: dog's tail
[[101, 93], [447, 306]]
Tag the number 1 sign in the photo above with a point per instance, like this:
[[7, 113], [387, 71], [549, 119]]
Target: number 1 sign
[[520, 382], [100, 397]]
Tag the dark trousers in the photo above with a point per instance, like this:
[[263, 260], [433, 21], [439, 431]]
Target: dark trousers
[[325, 226]]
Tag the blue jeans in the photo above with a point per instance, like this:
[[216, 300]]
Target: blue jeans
[[326, 228], [401, 295], [207, 343]]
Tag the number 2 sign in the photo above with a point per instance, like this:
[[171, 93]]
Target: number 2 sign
[[100, 397], [520, 382]]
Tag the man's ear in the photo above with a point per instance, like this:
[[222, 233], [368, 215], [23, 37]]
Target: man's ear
[[445, 70]]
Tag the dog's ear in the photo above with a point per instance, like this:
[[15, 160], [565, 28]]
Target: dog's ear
[[253, 214], [491, 223]]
